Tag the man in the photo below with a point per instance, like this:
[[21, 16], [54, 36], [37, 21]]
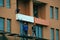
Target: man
[[25, 28]]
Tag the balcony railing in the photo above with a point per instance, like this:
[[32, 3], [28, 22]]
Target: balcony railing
[[28, 37], [21, 36], [24, 18], [41, 21]]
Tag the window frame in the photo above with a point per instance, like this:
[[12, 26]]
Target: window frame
[[58, 34], [21, 28], [10, 25], [51, 12], [35, 7], [41, 30], [3, 24], [2, 4], [51, 29], [37, 30], [56, 12], [9, 4]]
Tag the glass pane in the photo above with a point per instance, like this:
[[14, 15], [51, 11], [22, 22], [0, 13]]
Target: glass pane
[[1, 2], [51, 12], [1, 24], [52, 33], [8, 3], [37, 31], [8, 25], [35, 10], [33, 31], [40, 32], [56, 11], [21, 28], [57, 34]]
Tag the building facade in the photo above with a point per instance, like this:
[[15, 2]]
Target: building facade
[[29, 19]]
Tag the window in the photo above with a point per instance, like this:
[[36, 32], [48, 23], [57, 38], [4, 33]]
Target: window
[[23, 28], [1, 24], [56, 13], [51, 12], [8, 3], [8, 25], [33, 31], [57, 34], [1, 2], [35, 11], [39, 31], [52, 33]]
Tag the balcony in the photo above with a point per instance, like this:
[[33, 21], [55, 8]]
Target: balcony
[[20, 36], [22, 17], [41, 21], [43, 1], [28, 37]]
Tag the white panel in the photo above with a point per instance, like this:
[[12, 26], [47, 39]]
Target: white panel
[[24, 18]]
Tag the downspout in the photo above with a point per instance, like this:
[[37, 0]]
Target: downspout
[[17, 9]]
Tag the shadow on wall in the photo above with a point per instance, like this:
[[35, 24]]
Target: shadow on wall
[[3, 37]]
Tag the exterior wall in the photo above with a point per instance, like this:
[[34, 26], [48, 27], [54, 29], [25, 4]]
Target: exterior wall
[[24, 7], [28, 10], [42, 12], [53, 22], [10, 13]]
